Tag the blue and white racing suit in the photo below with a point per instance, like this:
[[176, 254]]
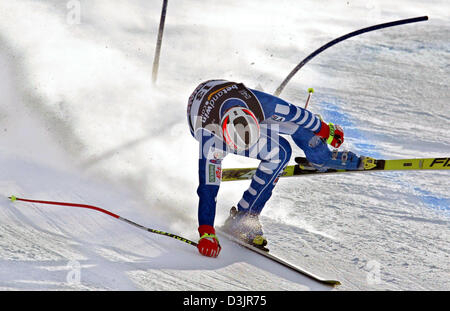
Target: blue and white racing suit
[[206, 106]]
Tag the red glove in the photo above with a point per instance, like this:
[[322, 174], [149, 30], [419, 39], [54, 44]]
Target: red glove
[[208, 245], [333, 134]]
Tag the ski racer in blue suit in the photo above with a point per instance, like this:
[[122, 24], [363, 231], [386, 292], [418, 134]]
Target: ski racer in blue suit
[[227, 117]]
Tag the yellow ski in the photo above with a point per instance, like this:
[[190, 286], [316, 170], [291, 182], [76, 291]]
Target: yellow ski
[[303, 167]]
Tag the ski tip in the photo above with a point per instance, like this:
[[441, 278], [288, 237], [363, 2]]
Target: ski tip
[[13, 198], [310, 90]]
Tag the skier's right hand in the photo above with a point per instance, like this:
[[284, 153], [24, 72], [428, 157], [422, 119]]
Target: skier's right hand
[[333, 134], [208, 245]]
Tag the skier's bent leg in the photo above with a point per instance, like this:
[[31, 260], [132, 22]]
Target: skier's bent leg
[[274, 153], [318, 153]]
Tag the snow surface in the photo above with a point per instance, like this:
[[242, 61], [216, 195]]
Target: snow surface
[[80, 121]]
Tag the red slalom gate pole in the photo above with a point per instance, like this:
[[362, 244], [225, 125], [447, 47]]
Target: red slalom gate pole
[[179, 238]]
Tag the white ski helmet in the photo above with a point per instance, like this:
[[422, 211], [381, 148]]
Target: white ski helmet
[[240, 128]]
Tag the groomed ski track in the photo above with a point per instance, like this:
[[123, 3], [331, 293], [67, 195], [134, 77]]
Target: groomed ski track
[[43, 247]]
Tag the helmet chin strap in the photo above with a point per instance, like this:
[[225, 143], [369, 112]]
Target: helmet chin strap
[[226, 134]]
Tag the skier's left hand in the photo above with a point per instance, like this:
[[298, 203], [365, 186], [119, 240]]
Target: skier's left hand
[[333, 134], [208, 245]]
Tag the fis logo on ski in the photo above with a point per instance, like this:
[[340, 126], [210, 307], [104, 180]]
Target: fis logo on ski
[[444, 162]]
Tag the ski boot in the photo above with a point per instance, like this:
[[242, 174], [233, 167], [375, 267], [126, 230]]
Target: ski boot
[[246, 227]]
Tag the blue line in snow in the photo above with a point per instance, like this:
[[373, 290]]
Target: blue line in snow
[[360, 142], [353, 135], [433, 201]]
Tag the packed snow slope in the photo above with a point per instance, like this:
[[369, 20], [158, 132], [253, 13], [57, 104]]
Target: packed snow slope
[[80, 121]]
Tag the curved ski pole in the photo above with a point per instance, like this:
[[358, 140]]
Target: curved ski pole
[[179, 238], [342, 38]]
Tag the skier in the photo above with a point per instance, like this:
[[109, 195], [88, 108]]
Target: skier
[[227, 117]]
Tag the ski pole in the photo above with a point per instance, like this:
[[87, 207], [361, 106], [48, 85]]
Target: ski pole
[[310, 91], [179, 238], [159, 42], [342, 38]]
